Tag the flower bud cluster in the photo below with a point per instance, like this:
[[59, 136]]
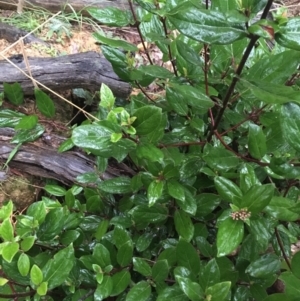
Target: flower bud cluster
[[242, 214]]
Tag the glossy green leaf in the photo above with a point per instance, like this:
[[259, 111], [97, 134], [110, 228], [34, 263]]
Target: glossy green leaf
[[291, 283], [160, 270], [176, 190], [42, 289], [141, 266], [281, 208], [210, 274], [27, 243], [206, 26], [7, 230], [156, 71], [116, 185], [144, 241], [111, 16], [154, 191], [101, 255], [155, 214], [140, 291], [149, 152], [219, 158], [24, 264], [44, 103], [125, 253], [295, 264], [173, 293], [265, 266], [114, 42], [36, 275], [120, 282], [257, 197], [58, 268], [192, 289], [206, 203], [289, 34], [290, 124], [183, 225], [228, 190], [230, 235], [55, 190], [187, 256], [256, 141], [104, 289], [189, 204], [219, 291], [6, 210], [9, 251], [107, 97]]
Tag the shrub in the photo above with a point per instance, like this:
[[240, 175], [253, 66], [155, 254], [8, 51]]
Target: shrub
[[211, 209]]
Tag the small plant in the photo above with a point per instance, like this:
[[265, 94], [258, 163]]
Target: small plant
[[208, 207]]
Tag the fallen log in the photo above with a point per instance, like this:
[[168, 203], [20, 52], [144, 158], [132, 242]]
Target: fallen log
[[42, 160], [87, 70], [65, 5]]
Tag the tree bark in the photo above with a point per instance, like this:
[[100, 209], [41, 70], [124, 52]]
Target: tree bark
[[42, 159], [66, 5], [87, 70]]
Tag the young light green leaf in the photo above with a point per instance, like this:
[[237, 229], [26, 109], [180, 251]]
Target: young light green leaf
[[107, 97], [9, 251], [36, 275], [24, 264]]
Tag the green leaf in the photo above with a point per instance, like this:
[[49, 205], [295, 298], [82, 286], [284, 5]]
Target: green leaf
[[114, 42], [28, 135], [296, 264], [192, 289], [38, 211], [173, 293], [111, 16], [107, 97], [265, 266], [184, 225], [160, 270], [227, 190], [230, 235], [219, 291], [290, 124], [124, 255], [69, 236], [206, 26], [27, 122], [144, 241], [176, 190], [289, 34], [120, 282], [210, 274], [55, 190], [149, 152], [57, 269], [206, 203], [280, 297], [257, 198], [44, 103], [156, 71], [36, 275], [281, 208], [189, 204], [141, 266], [6, 210], [104, 289], [7, 230], [101, 256], [187, 256], [140, 291], [24, 264], [148, 120], [53, 224], [27, 243], [155, 214], [3, 281], [189, 95], [291, 284], [118, 185], [9, 251], [14, 93], [42, 289], [219, 158], [154, 191], [256, 141]]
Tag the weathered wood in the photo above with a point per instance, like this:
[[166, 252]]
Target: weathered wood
[[87, 70], [42, 160], [65, 5]]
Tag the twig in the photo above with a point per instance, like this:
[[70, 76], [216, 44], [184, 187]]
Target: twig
[[282, 248]]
